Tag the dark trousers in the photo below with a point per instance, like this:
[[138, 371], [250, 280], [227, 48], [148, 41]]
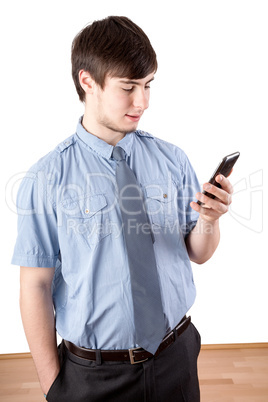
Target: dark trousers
[[171, 376]]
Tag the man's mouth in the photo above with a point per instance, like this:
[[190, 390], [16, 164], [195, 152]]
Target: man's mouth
[[133, 117]]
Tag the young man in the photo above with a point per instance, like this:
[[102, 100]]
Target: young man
[[72, 242]]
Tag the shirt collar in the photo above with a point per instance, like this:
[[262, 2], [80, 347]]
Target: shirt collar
[[100, 146]]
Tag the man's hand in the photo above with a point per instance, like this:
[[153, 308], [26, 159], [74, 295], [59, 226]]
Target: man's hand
[[214, 208]]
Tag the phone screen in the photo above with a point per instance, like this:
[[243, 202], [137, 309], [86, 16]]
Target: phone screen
[[225, 167]]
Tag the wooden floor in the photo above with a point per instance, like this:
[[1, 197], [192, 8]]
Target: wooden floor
[[234, 375], [226, 375]]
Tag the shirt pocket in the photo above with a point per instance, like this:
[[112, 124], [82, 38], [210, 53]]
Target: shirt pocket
[[161, 204], [87, 218]]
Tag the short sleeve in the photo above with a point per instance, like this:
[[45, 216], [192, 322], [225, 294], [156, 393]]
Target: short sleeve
[[187, 189], [37, 238]]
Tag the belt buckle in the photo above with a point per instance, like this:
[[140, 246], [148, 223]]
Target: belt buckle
[[131, 356]]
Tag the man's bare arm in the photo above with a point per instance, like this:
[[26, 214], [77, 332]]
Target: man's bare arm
[[39, 323]]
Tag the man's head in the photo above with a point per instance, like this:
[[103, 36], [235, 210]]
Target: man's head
[[114, 47]]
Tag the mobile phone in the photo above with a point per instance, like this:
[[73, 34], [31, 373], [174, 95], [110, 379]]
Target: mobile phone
[[225, 167]]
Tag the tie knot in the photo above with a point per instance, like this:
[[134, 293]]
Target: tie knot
[[119, 154]]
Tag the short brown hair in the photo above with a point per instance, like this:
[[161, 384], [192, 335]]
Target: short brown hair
[[114, 46]]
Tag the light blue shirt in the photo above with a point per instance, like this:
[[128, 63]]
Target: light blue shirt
[[69, 218]]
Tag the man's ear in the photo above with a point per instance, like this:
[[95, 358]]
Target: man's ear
[[86, 82]]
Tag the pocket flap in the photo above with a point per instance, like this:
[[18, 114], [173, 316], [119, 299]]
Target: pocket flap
[[84, 207], [158, 192]]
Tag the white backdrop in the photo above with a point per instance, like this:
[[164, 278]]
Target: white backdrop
[[209, 97]]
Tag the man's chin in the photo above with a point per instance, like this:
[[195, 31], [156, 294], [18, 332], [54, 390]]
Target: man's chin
[[124, 128], [129, 129]]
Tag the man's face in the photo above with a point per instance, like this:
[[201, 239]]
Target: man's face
[[120, 105]]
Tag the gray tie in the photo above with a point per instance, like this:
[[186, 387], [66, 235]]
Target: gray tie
[[147, 303]]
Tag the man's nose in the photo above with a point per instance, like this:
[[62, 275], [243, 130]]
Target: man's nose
[[141, 99]]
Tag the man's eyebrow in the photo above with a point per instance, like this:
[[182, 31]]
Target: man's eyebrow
[[135, 82]]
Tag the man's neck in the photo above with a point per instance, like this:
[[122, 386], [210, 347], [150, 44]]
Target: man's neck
[[105, 134]]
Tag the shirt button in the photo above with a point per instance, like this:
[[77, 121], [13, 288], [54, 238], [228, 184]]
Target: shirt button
[[86, 211], [164, 195]]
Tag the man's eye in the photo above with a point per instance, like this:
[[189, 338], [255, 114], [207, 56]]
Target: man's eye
[[127, 89]]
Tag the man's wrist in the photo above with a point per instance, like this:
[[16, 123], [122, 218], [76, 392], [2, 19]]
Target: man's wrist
[[205, 221]]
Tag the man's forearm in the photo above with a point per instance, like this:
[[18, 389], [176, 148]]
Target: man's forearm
[[39, 325], [203, 240]]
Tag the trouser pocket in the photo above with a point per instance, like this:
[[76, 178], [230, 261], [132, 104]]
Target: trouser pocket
[[53, 392]]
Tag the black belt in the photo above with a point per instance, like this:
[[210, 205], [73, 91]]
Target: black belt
[[133, 355]]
